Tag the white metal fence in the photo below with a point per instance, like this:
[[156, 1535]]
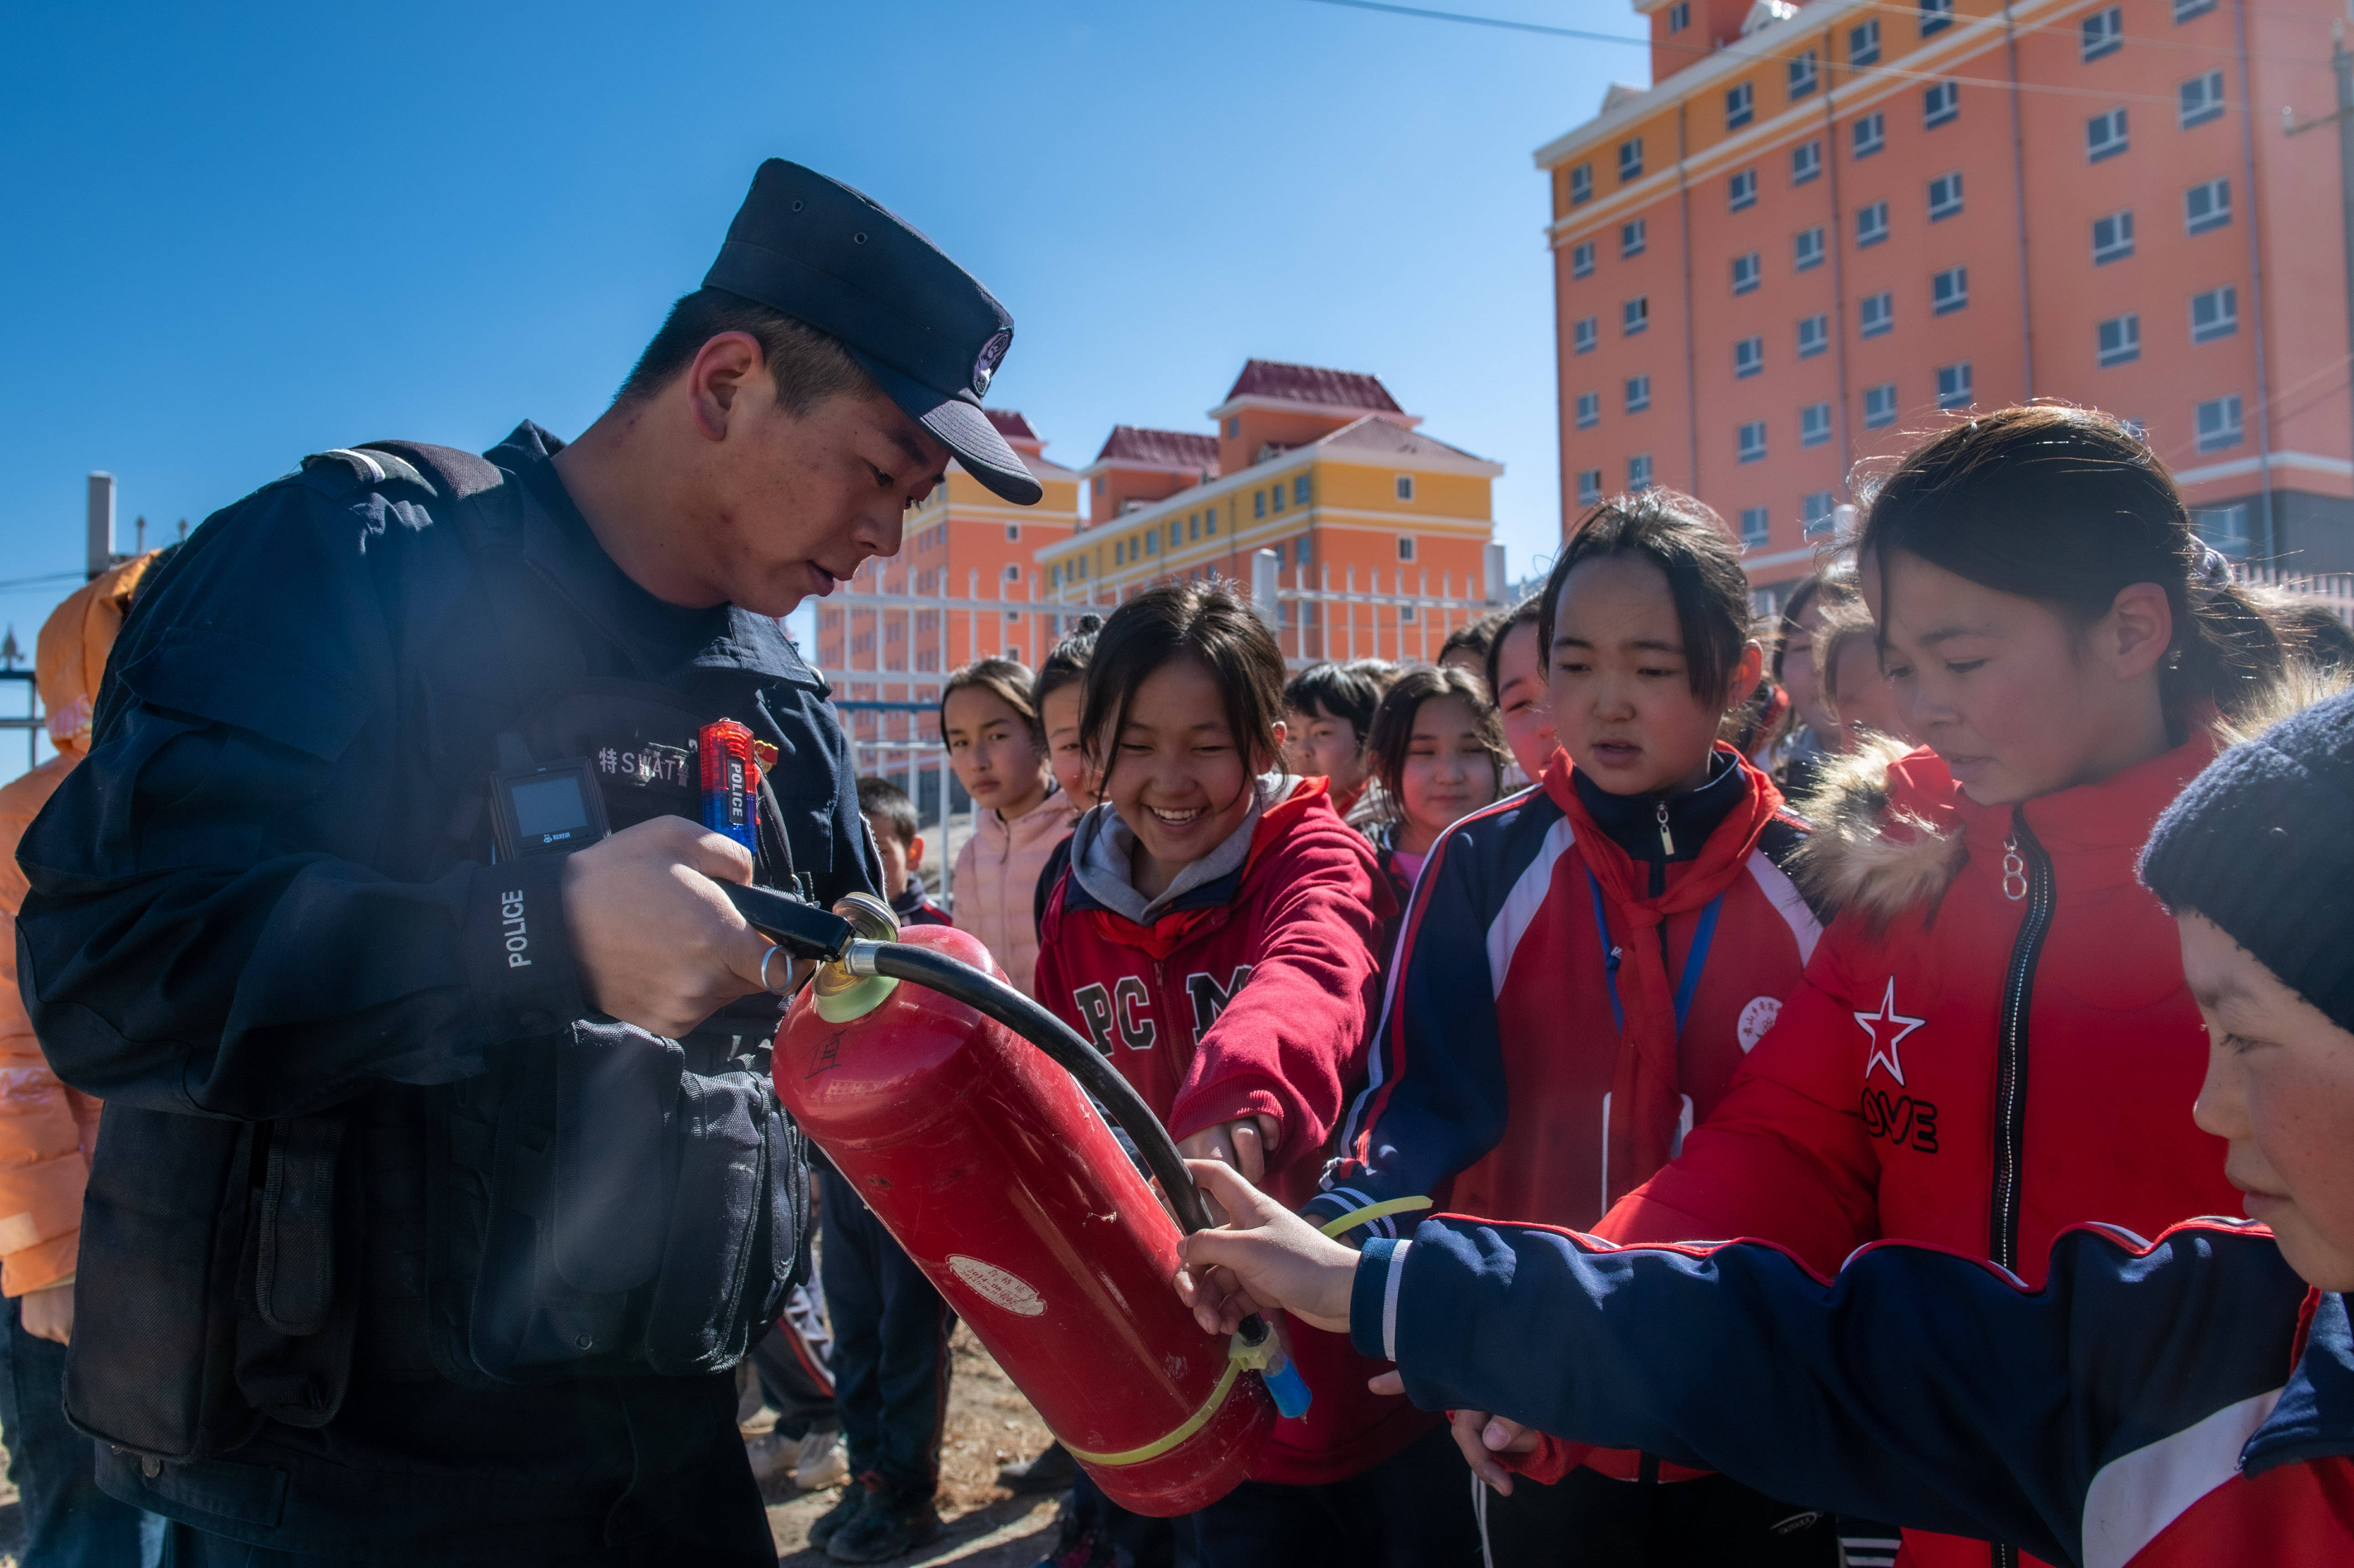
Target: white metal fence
[[2335, 589]]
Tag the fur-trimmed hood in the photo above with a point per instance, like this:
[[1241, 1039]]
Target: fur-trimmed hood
[[1887, 834]]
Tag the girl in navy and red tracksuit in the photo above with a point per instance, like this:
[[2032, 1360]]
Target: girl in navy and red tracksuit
[[1583, 968], [1994, 1041], [1215, 935]]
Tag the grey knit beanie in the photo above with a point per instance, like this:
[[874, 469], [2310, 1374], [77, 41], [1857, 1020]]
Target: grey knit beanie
[[2261, 843]]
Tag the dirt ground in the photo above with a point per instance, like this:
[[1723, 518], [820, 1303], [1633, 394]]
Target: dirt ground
[[989, 1424]]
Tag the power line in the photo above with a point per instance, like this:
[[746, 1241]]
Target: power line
[[42, 580], [1896, 73]]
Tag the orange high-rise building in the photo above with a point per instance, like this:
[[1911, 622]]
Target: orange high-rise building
[[1825, 225]]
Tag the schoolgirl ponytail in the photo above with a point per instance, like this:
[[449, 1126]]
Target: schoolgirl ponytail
[[2066, 506]]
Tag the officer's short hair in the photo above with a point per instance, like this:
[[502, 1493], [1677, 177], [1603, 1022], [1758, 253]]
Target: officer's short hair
[[808, 365], [880, 800]]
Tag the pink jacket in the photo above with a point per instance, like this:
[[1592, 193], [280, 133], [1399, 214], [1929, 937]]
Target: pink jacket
[[997, 879]]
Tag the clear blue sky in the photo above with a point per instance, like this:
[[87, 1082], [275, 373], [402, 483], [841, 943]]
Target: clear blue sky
[[238, 234]]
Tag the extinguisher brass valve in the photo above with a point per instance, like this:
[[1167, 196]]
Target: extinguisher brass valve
[[848, 988]]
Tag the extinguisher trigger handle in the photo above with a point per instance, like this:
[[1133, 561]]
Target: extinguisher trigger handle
[[799, 926]]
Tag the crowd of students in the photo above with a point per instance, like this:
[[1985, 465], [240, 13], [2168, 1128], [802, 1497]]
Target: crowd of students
[[1632, 920]]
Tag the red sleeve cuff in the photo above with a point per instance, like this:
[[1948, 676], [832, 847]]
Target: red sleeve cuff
[[1548, 1462]]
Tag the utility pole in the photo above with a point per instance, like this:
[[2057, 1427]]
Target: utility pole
[[2341, 61]]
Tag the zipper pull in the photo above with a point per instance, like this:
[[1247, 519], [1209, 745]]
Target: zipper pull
[[1667, 839]]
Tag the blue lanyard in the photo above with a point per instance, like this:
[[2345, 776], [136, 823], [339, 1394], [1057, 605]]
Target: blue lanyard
[[1694, 961]]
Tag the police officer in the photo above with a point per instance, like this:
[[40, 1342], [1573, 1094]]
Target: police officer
[[439, 1187]]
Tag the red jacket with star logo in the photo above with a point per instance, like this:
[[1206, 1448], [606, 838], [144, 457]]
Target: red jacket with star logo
[[1993, 1042], [1250, 996]]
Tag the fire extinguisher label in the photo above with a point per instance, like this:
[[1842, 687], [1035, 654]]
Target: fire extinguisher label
[[997, 1287]]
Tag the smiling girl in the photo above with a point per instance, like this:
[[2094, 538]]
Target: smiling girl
[[1018, 813], [1516, 674], [1215, 937], [1582, 968], [1994, 1041], [1439, 754]]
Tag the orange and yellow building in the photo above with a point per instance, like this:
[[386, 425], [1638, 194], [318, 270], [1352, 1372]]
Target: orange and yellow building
[[1824, 226], [1320, 467]]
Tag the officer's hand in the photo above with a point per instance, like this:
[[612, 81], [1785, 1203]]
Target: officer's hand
[[658, 944], [48, 1312]]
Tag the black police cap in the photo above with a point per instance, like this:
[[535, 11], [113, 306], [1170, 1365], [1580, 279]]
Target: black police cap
[[921, 325]]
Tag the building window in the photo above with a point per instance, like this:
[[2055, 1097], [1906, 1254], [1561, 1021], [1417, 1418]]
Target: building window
[[1802, 75], [1584, 333], [1875, 314], [1680, 15], [2112, 238], [1863, 44], [1817, 509], [1405, 546], [1012, 532], [2225, 528], [1879, 406], [2105, 135], [1120, 551], [1099, 484], [1950, 291], [1806, 249], [1806, 161], [1954, 385], [1259, 502], [1635, 315], [1750, 439], [2219, 424], [1747, 271], [1871, 224], [1740, 106], [2120, 340], [1405, 487], [1748, 358], [1944, 196], [2215, 314], [1937, 15], [1581, 184], [1581, 259], [1276, 493], [1152, 539], [2186, 9], [1814, 424], [1814, 336], [1192, 526], [2200, 98], [1940, 102], [1633, 238], [1053, 577], [1589, 486], [1639, 394], [1210, 522], [1630, 159], [1741, 191], [1639, 471], [1299, 551], [1299, 490], [2103, 33], [1868, 134], [1755, 528], [1589, 409], [2207, 205], [1013, 572], [1233, 426]]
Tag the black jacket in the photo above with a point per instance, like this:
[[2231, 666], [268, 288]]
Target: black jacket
[[361, 1267]]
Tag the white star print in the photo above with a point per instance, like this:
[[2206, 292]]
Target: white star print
[[1869, 1022]]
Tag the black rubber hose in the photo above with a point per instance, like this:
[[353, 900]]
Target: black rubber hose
[[985, 993]]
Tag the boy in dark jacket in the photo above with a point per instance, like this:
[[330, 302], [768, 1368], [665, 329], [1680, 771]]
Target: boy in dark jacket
[[2184, 1400], [900, 845]]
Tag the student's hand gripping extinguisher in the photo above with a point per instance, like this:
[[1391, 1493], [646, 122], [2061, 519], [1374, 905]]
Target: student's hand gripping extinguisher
[[910, 1062]]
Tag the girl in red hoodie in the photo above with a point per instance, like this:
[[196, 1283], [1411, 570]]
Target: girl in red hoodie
[[1583, 966], [1994, 1041], [1215, 936]]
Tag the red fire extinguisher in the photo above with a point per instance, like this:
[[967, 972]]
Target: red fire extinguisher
[[987, 1163]]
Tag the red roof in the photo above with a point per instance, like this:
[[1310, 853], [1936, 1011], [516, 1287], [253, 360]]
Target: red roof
[[1011, 425], [1161, 448], [1313, 384]]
